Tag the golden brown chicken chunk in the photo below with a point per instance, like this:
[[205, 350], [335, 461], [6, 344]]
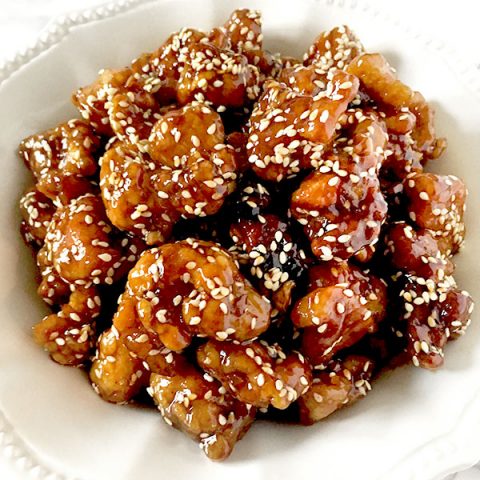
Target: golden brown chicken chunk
[[188, 171], [83, 248], [334, 49], [116, 375], [437, 203], [201, 407], [289, 130], [69, 335], [432, 313], [379, 81], [344, 304], [190, 288], [37, 211], [340, 383], [416, 252], [62, 160], [256, 373], [342, 214]]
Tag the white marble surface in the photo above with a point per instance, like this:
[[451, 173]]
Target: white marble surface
[[455, 23]]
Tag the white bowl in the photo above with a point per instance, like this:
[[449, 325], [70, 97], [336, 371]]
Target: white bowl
[[414, 425]]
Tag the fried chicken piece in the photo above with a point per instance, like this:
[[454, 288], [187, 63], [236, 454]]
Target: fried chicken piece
[[333, 49], [437, 203], [432, 313], [416, 252], [342, 214], [62, 160], [83, 248], [188, 171], [341, 383], [116, 375], [343, 305], [202, 408], [69, 335], [256, 373], [379, 81], [193, 288], [289, 130], [37, 211]]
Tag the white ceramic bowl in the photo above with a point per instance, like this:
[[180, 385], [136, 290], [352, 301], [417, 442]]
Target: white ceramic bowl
[[414, 425]]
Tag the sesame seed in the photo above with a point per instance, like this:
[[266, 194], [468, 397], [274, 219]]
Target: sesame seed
[[195, 320], [424, 196], [221, 335], [324, 116]]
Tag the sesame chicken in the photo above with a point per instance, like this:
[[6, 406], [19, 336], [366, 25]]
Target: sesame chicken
[[62, 160], [437, 203], [69, 335], [344, 303], [116, 375], [37, 211], [416, 252], [274, 258], [289, 130], [432, 313], [242, 33], [340, 383], [83, 248], [158, 72], [190, 288], [342, 214], [379, 81], [142, 343], [255, 372], [217, 76], [200, 406], [188, 171], [238, 233], [334, 49]]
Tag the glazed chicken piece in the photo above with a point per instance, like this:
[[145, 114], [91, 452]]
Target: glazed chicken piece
[[190, 288], [333, 49], [340, 204], [433, 313], [218, 76], [256, 373], [242, 33], [187, 171], [200, 406], [62, 160], [379, 81], [437, 203], [289, 130], [341, 383], [416, 252], [343, 305], [69, 335], [116, 375], [82, 247], [37, 211], [221, 68], [265, 242], [342, 214]]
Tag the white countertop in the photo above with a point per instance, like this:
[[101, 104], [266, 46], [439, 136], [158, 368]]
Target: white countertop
[[455, 24]]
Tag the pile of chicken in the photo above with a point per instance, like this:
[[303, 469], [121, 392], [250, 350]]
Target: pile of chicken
[[266, 221]]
